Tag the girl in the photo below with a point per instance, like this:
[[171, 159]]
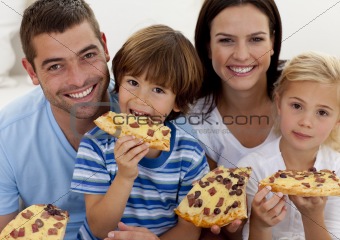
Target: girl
[[307, 98]]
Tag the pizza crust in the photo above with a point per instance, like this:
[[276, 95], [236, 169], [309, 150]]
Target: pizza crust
[[309, 183], [221, 198], [121, 124], [37, 222]]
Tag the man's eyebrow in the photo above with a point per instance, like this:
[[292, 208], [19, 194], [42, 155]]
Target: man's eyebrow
[[49, 60]]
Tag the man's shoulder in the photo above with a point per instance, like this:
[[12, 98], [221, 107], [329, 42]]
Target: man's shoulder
[[22, 107]]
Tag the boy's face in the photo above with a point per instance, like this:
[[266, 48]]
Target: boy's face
[[140, 97], [71, 68], [308, 113]]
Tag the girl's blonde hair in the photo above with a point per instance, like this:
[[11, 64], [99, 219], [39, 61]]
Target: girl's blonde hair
[[316, 67]]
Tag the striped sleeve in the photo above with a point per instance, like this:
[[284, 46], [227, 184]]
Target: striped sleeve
[[90, 173]]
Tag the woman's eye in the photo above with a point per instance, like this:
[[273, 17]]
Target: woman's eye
[[296, 106], [256, 39], [133, 82], [226, 40], [158, 90]]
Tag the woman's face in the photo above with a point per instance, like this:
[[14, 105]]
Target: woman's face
[[241, 47]]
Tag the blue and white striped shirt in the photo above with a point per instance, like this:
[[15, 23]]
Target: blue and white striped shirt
[[160, 186]]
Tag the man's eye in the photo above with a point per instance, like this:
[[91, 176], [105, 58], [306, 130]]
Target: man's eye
[[89, 55], [54, 67]]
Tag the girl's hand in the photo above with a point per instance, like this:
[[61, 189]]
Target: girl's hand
[[128, 152], [309, 206], [267, 213], [231, 227]]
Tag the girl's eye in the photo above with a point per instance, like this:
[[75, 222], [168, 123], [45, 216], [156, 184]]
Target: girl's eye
[[296, 106], [133, 82], [323, 113], [54, 67], [158, 90]]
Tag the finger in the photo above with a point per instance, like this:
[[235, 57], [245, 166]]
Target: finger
[[234, 226], [129, 148], [261, 194], [272, 202], [278, 208], [135, 154], [123, 227], [215, 229]]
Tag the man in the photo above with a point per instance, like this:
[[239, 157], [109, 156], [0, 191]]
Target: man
[[66, 54]]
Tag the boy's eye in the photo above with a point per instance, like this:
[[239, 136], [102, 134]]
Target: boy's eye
[[133, 82], [54, 67], [158, 90]]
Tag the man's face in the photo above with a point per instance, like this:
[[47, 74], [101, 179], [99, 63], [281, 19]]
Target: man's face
[[71, 68]]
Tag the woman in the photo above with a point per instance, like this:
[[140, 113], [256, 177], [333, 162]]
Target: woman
[[239, 43]]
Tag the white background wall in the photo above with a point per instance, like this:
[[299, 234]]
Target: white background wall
[[307, 24]]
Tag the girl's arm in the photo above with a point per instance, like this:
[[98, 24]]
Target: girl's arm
[[312, 213], [265, 214], [103, 212]]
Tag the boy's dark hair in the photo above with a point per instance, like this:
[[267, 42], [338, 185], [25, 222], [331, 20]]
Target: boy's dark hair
[[211, 8], [167, 58], [53, 16]]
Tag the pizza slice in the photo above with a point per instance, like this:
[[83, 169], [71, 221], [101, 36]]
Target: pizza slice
[[217, 199], [304, 183], [121, 124], [37, 222]]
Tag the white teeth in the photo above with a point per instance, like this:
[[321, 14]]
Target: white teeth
[[241, 69], [82, 94], [138, 113]]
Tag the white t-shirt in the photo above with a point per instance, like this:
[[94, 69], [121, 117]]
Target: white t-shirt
[[268, 160], [216, 139]]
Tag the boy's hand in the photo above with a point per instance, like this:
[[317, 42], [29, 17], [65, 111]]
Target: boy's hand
[[309, 206], [128, 152], [267, 213], [131, 233]]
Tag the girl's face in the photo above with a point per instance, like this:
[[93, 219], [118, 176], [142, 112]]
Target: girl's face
[[308, 113], [241, 46], [143, 98]]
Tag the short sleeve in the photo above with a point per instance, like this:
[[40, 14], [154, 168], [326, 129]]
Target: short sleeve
[[90, 173], [9, 194]]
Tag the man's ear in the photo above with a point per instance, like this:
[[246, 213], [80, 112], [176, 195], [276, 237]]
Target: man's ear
[[30, 70], [106, 51]]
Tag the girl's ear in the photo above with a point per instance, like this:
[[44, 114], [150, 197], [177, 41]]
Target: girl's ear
[[277, 103]]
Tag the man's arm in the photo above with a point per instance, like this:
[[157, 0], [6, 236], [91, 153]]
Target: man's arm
[[4, 219]]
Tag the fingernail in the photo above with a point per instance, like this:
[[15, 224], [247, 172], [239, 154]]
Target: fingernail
[[111, 234]]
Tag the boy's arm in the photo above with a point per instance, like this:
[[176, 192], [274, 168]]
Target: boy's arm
[[5, 219], [105, 211], [182, 231]]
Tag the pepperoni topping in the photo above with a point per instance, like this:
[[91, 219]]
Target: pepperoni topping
[[150, 132], [219, 178], [35, 228], [211, 179], [191, 199], [217, 211], [14, 233], [58, 225], [39, 223], [52, 231], [206, 211], [320, 180], [197, 194], [198, 203], [212, 191], [220, 202], [134, 125], [306, 185], [28, 214], [21, 232], [165, 132]]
